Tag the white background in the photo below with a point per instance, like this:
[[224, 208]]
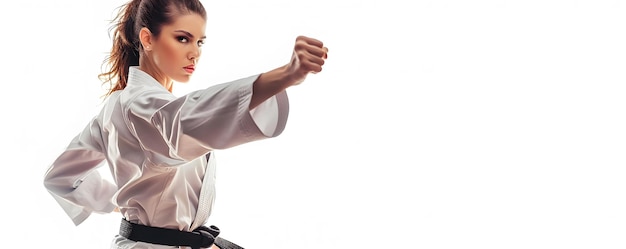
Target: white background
[[435, 124]]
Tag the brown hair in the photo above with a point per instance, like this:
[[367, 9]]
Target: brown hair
[[130, 18]]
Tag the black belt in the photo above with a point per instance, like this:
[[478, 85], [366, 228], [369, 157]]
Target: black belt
[[201, 237]]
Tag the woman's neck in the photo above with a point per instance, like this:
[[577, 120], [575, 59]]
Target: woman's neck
[[147, 65]]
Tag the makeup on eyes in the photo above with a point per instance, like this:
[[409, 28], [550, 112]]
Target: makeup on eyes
[[187, 37]]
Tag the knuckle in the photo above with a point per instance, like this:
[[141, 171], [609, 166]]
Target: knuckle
[[299, 45]]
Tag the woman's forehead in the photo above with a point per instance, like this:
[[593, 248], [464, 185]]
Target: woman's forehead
[[192, 23]]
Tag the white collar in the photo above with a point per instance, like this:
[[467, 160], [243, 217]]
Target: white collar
[[138, 77]]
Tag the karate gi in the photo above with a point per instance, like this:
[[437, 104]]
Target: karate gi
[[160, 151]]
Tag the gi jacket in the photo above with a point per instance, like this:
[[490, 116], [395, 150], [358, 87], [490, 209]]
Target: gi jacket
[[159, 149]]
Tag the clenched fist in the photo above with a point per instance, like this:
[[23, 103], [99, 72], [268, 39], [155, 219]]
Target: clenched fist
[[308, 57]]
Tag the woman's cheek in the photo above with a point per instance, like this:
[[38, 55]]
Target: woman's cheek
[[169, 56]]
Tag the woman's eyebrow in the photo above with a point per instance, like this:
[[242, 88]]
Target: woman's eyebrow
[[188, 34]]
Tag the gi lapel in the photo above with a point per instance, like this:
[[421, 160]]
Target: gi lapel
[[207, 194]]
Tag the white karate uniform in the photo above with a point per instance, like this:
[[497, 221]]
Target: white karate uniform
[[160, 150]]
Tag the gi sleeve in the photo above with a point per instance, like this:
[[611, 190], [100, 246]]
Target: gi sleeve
[[192, 125], [73, 180]]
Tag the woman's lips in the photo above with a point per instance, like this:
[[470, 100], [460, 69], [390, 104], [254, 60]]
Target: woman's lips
[[189, 69]]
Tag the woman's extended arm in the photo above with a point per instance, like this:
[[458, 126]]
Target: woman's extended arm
[[308, 57]]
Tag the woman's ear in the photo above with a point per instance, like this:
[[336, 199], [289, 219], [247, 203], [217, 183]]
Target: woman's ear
[[145, 37]]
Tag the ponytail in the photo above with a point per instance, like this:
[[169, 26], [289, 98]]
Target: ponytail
[[125, 51]]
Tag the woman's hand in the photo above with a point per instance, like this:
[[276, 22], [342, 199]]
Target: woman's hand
[[308, 56]]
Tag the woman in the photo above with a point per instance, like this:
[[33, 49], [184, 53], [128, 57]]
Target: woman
[[159, 147]]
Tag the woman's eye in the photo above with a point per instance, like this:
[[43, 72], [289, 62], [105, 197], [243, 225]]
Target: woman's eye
[[200, 43], [182, 39]]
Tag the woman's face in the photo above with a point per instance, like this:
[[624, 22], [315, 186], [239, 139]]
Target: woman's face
[[178, 47]]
